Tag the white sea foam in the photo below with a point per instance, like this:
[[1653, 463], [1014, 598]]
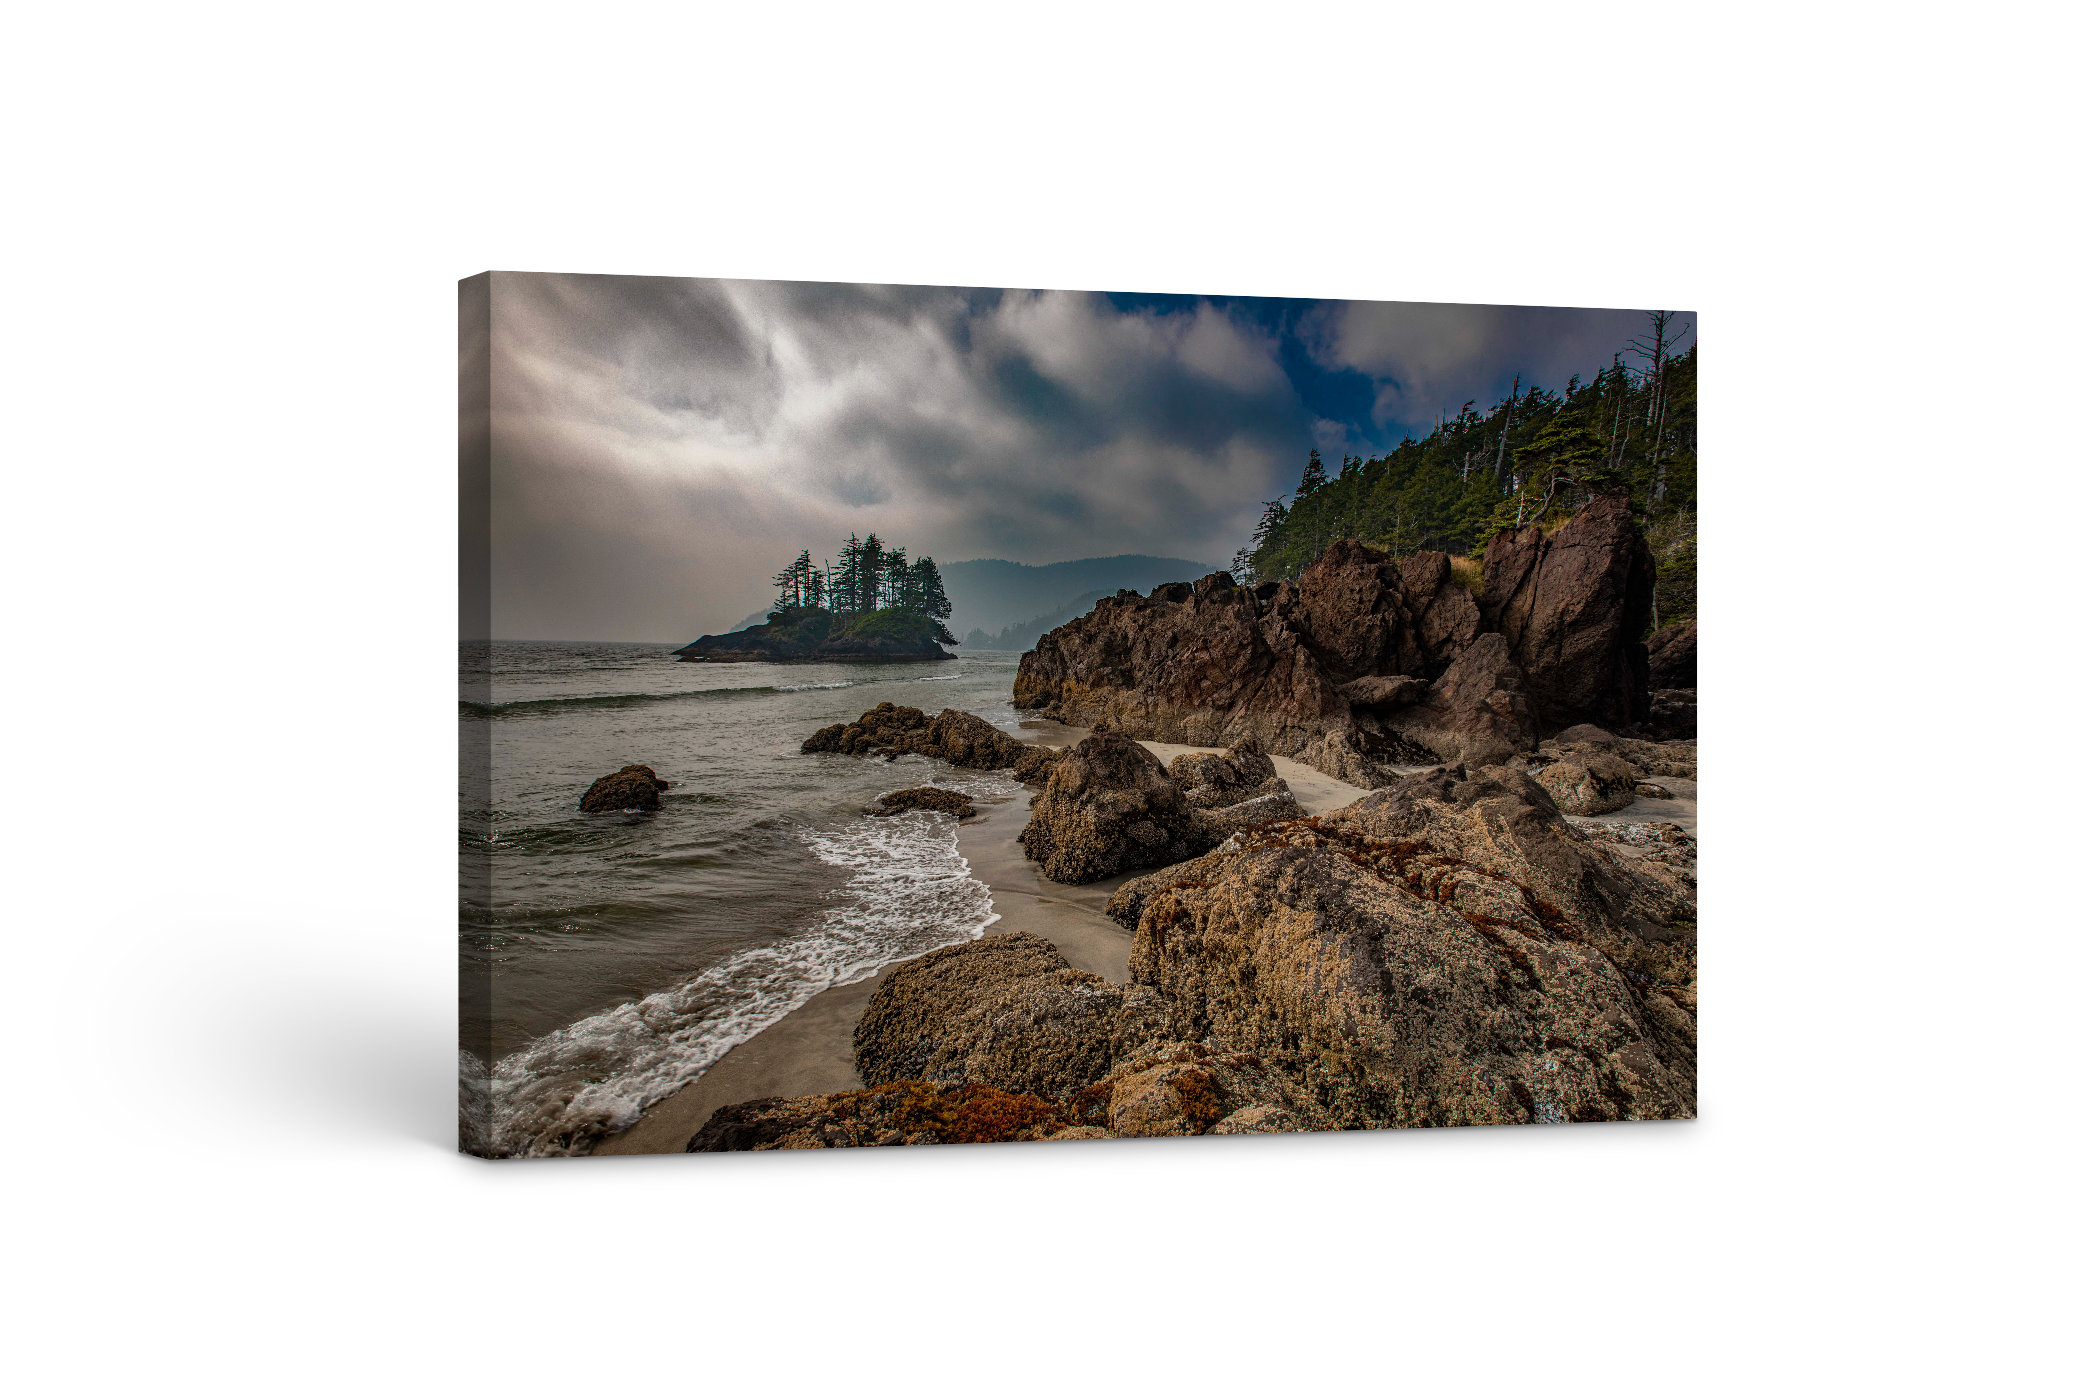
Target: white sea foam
[[910, 891]]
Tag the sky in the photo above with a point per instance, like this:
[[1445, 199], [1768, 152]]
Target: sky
[[659, 447]]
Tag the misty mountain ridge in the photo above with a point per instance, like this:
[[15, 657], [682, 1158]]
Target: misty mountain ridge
[[1022, 636], [991, 595]]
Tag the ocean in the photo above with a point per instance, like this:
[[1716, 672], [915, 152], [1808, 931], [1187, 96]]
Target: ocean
[[606, 961]]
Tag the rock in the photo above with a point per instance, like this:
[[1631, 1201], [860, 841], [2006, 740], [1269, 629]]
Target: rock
[[635, 786], [1573, 607], [1127, 905], [1479, 711], [1258, 1118], [1004, 1010], [1108, 806], [1677, 758], [957, 736], [1219, 780], [1221, 822], [1182, 1089], [1673, 662], [1363, 660], [1653, 790], [923, 799], [1674, 714], [1586, 734], [1445, 951], [1384, 692], [1167, 1090], [1589, 781]]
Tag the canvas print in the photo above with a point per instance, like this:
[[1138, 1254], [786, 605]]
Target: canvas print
[[911, 716]]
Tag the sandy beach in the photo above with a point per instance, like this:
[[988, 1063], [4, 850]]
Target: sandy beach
[[810, 1050]]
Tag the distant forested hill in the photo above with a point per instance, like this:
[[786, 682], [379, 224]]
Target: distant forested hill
[[1022, 636], [993, 594]]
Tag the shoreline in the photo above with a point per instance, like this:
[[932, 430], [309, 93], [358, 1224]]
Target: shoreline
[[810, 1050]]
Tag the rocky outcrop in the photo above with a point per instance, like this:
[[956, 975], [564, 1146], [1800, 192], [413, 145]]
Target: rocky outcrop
[[1109, 806], [1673, 661], [634, 787], [1185, 1088], [1005, 1010], [957, 736], [1589, 781], [1220, 780], [1349, 668], [1447, 950], [922, 799], [1572, 607]]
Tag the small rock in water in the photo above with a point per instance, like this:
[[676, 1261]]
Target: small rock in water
[[925, 799], [1653, 790], [634, 787]]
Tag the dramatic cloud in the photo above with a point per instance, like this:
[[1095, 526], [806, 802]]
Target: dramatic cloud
[[1428, 358], [661, 446]]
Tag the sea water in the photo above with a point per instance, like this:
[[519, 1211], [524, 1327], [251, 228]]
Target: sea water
[[606, 960]]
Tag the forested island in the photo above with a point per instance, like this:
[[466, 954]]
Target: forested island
[[875, 604]]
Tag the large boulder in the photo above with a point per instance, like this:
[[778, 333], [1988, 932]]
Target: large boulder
[[1572, 607], [1445, 951], [1005, 1010], [633, 788], [1109, 806], [1673, 660]]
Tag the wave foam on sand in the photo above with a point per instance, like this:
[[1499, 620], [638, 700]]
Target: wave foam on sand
[[910, 891]]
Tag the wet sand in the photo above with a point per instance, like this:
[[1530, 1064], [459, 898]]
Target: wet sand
[[810, 1050]]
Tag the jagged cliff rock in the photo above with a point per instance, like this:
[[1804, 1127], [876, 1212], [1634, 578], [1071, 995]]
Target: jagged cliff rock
[[1365, 660], [1573, 608], [1445, 951]]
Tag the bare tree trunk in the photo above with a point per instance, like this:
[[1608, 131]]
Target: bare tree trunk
[[1511, 413]]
